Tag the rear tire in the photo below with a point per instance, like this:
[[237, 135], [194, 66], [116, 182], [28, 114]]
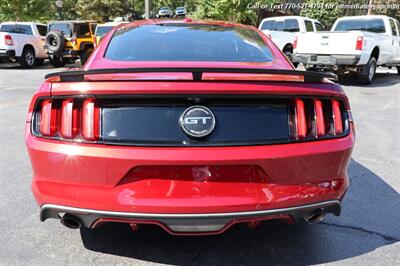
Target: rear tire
[[27, 59], [84, 55], [289, 56], [57, 61], [367, 73], [398, 70]]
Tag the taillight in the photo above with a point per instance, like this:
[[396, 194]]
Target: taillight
[[68, 119], [318, 119], [337, 117], [48, 118], [295, 42], [90, 120], [8, 40], [301, 122], [359, 43], [69, 126]]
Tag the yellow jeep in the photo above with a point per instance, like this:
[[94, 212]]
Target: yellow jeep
[[67, 41]]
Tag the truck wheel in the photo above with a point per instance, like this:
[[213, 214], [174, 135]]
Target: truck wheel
[[84, 55], [289, 56], [27, 59], [367, 73], [398, 70], [57, 61]]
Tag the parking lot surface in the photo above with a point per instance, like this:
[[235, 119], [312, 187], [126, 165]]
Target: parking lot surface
[[367, 232]]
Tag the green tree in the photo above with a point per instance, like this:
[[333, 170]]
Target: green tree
[[324, 15], [389, 8], [25, 10], [101, 10]]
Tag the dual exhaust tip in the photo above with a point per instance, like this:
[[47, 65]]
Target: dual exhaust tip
[[313, 217]]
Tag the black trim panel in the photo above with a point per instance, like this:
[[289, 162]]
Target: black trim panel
[[79, 75]]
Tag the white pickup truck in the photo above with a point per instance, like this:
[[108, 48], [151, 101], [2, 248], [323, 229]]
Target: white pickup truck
[[355, 44], [283, 30], [23, 42]]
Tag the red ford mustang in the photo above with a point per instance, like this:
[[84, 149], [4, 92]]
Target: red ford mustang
[[190, 125]]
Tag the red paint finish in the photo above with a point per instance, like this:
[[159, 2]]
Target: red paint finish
[[184, 180], [337, 117], [319, 116], [301, 121]]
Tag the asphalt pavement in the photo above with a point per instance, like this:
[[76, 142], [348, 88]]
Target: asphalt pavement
[[367, 232]]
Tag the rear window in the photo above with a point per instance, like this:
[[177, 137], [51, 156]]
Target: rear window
[[42, 30], [319, 27], [371, 25], [64, 28], [393, 26], [21, 29], [309, 25], [268, 25], [188, 43], [103, 30], [290, 25], [82, 30]]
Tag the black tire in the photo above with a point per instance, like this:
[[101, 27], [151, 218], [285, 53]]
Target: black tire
[[39, 61], [398, 70], [55, 42], [57, 61], [27, 59], [84, 55], [289, 56], [367, 73]]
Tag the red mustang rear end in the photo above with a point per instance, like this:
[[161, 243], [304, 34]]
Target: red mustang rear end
[[193, 126]]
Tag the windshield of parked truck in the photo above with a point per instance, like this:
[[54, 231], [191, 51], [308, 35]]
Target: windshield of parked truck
[[371, 25]]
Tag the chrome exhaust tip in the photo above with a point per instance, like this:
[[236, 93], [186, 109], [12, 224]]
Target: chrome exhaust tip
[[70, 221], [315, 216]]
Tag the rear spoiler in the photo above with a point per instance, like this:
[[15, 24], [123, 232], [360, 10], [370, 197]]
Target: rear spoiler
[[197, 73]]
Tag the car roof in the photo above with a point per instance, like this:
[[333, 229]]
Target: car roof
[[187, 21], [72, 21], [21, 23], [288, 17], [112, 23], [364, 17]]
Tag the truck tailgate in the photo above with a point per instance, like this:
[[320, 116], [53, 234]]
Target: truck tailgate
[[327, 43]]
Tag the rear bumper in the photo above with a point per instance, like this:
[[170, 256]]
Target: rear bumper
[[204, 223], [187, 181], [10, 54], [65, 53], [327, 60]]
